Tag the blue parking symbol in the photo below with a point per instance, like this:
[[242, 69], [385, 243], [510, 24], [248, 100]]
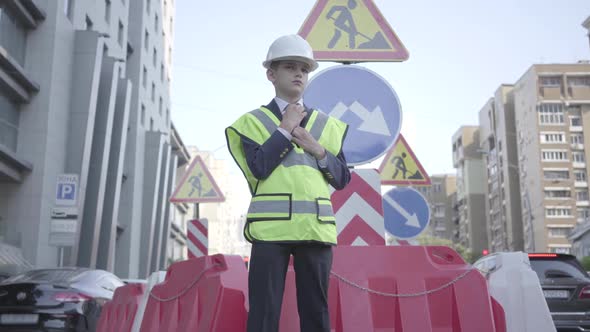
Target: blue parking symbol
[[66, 191]]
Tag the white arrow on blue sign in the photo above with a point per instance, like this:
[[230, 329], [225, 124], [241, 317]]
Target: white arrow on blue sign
[[365, 101], [406, 212]]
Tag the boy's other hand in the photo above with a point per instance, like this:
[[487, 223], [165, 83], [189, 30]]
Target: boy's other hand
[[304, 139]]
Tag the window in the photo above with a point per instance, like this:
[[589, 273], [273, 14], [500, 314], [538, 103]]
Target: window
[[167, 117], [107, 11], [575, 121], [160, 106], [558, 250], [12, 33], [557, 212], [558, 232], [550, 114], [439, 210], [88, 23], [577, 138], [557, 193], [121, 33], [171, 25], [550, 81], [142, 119], [583, 214], [582, 195], [151, 124], [556, 174], [554, 155], [9, 120], [578, 157], [162, 73], [437, 187], [578, 81], [68, 8], [547, 137], [148, 5], [144, 79], [146, 40], [580, 175], [153, 91], [156, 23], [154, 57]]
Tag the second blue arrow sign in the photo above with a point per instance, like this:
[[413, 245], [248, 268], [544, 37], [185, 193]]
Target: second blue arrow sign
[[406, 212]]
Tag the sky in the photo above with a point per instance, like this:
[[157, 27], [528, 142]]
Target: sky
[[460, 53]]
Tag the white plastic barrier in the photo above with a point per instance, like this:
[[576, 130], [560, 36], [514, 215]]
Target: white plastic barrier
[[514, 284], [154, 279]]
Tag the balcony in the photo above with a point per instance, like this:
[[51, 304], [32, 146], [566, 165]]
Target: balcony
[[550, 92]]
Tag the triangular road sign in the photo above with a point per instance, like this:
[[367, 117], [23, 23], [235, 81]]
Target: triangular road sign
[[197, 186], [351, 31], [401, 167]]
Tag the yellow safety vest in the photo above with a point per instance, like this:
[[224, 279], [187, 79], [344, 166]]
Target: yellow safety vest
[[293, 203]]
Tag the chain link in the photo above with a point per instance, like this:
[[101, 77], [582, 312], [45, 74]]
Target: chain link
[[186, 289], [372, 291], [339, 277]]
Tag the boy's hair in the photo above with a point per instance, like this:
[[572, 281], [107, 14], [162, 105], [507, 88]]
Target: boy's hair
[[275, 64]]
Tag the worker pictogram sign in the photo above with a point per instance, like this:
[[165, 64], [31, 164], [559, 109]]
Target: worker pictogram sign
[[401, 167], [197, 186], [351, 31]]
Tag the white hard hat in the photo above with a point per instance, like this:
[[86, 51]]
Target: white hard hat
[[290, 47]]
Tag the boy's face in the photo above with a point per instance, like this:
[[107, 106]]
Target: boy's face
[[289, 78]]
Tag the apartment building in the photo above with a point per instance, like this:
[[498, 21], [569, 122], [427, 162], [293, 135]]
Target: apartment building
[[471, 189], [498, 144], [440, 195], [86, 161], [552, 121]]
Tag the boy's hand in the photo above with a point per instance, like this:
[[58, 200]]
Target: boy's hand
[[292, 117], [304, 139]]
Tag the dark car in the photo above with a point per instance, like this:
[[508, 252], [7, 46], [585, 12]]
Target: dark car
[[61, 299], [566, 287]]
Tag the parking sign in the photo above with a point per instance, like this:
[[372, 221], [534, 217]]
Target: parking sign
[[66, 189]]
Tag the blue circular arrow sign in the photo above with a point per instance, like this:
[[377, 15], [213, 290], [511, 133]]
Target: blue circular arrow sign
[[406, 212], [365, 101]]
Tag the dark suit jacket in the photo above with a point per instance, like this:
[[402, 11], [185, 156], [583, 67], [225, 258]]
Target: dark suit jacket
[[263, 159]]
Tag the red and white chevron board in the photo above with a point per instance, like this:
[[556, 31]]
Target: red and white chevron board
[[359, 210], [198, 238]]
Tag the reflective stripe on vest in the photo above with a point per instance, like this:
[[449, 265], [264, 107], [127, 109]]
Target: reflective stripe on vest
[[283, 209]]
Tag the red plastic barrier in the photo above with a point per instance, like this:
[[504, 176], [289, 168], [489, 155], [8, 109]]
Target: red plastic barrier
[[499, 316], [205, 294], [119, 313], [419, 273]]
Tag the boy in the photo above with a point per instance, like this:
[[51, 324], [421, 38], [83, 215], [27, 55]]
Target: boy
[[289, 154]]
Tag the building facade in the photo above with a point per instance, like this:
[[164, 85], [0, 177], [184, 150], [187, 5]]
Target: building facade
[[85, 155], [498, 144], [552, 107], [440, 196], [471, 189]]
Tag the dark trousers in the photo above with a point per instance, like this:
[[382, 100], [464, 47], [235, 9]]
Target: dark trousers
[[266, 283]]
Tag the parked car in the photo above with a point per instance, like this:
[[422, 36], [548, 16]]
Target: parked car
[[566, 287], [61, 299]]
